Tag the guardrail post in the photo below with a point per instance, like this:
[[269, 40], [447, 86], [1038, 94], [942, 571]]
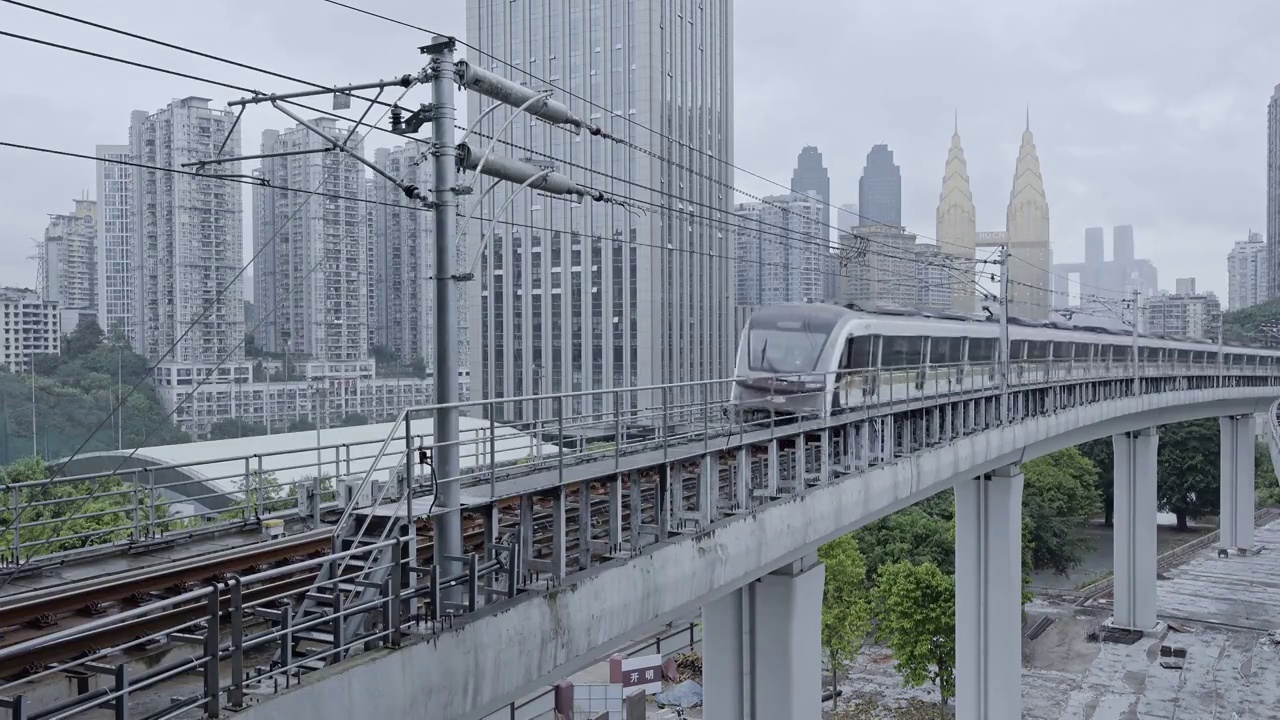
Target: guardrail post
[[394, 607], [346, 449], [137, 509], [212, 684], [235, 696], [120, 706], [17, 707], [262, 489], [560, 437], [493, 453], [151, 504], [248, 485], [286, 644], [665, 430], [17, 524]]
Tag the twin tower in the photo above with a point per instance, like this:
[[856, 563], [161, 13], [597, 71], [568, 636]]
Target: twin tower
[[1026, 232]]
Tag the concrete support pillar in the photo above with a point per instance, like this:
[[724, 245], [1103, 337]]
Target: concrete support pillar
[[1235, 521], [989, 596], [787, 642], [726, 660], [1135, 529], [762, 648]]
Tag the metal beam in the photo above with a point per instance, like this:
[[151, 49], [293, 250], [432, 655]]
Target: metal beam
[[404, 81]]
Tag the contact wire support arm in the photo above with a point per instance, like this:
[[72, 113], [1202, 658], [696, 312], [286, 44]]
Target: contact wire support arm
[[410, 191]]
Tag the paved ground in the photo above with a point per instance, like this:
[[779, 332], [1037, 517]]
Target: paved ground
[[1231, 670], [1099, 559]]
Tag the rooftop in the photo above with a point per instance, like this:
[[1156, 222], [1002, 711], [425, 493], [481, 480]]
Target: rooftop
[[220, 465]]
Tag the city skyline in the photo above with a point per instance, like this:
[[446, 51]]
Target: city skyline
[[1098, 168]]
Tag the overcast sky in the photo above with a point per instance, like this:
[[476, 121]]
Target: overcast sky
[[1145, 112]]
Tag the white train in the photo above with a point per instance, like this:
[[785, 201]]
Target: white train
[[818, 359]]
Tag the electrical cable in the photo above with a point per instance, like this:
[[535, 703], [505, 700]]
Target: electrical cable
[[659, 134], [210, 375]]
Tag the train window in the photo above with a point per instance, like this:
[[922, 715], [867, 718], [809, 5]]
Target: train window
[[902, 351], [1017, 349], [1037, 350], [1184, 356], [982, 350], [1061, 350], [1238, 359], [1082, 351], [1122, 353], [858, 351], [946, 350], [1150, 354]]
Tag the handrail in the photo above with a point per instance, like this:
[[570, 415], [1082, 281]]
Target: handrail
[[1273, 437]]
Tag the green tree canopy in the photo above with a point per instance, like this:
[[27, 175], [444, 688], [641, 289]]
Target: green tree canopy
[[911, 535], [1266, 485], [229, 428], [1102, 453], [1059, 497], [916, 609], [84, 339], [846, 611], [353, 420], [301, 425], [1188, 467]]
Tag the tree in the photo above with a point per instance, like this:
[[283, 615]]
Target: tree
[[86, 338], [230, 428], [301, 425], [1102, 453], [1266, 486], [911, 534], [63, 516], [353, 420], [418, 366], [846, 614], [917, 621], [1187, 469], [1059, 496]]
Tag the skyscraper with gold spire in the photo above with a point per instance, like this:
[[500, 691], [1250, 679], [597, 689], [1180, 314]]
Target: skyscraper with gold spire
[[957, 224], [1027, 225]]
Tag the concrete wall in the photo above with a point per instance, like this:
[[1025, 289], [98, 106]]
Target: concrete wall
[[498, 654]]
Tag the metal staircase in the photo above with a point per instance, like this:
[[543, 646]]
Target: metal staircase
[[368, 591], [349, 600]]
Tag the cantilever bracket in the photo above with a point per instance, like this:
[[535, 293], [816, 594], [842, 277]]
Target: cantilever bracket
[[412, 124]]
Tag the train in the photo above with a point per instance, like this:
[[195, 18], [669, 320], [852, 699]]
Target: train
[[819, 359]]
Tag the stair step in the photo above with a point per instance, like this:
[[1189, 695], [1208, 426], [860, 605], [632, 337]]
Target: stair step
[[310, 666], [314, 635]]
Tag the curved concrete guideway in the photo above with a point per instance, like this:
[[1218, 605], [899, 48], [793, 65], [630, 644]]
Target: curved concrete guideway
[[498, 654]]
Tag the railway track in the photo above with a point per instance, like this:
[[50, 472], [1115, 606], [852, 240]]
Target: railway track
[[54, 611]]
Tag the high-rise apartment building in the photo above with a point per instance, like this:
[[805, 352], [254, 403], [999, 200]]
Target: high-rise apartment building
[[880, 189], [1247, 273], [778, 255], [890, 272], [32, 326], [311, 251], [957, 233], [1273, 195], [188, 236], [71, 259], [596, 296], [1027, 225], [371, 263], [1190, 315], [118, 272], [1184, 286], [403, 256], [810, 178]]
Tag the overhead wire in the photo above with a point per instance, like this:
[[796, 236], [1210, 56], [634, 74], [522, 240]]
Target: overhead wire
[[251, 91], [202, 381], [612, 113]]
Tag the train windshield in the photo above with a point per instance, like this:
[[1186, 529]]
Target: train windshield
[[787, 346]]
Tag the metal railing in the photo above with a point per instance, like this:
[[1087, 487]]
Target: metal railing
[[228, 625], [192, 498]]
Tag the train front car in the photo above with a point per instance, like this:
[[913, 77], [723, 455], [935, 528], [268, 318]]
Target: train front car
[[786, 361]]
